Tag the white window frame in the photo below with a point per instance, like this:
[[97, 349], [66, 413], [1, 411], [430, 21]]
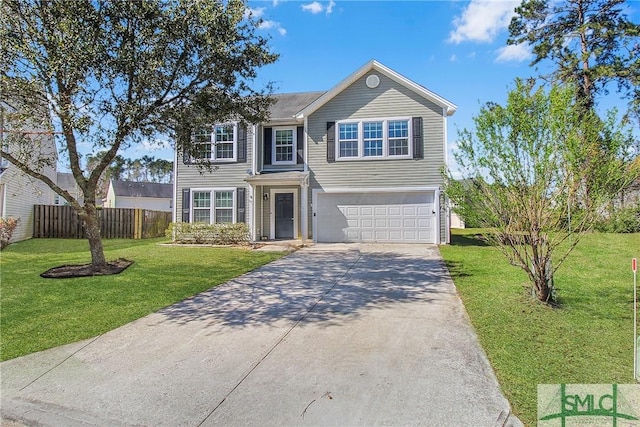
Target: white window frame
[[212, 208], [385, 139], [294, 148], [212, 141]]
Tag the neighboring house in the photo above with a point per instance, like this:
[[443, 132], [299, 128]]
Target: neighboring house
[[67, 182], [20, 192], [143, 195], [358, 163]]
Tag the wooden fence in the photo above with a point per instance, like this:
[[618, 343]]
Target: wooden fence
[[51, 221]]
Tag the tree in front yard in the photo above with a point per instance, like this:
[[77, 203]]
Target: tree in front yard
[[113, 73], [524, 164]]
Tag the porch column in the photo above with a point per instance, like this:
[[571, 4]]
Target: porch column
[[304, 208]]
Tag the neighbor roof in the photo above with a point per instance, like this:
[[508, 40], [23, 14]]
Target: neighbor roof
[[142, 189], [287, 105], [374, 65]]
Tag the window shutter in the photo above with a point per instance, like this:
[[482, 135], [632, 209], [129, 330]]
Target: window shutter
[[242, 143], [331, 142], [418, 138], [266, 145], [300, 142], [186, 204], [240, 204]]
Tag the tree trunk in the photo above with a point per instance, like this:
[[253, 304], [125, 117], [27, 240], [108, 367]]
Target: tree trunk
[[543, 282], [98, 261]]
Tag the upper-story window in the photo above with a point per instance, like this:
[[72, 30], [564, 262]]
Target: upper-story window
[[373, 139], [284, 143], [219, 143]]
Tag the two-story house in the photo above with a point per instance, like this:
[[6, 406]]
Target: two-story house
[[358, 163]]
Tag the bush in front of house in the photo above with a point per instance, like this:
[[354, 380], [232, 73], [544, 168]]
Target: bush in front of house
[[621, 220], [7, 227], [212, 234]]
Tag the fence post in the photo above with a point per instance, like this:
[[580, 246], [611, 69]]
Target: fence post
[[137, 230]]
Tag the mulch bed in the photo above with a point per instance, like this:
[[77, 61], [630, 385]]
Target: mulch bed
[[85, 270]]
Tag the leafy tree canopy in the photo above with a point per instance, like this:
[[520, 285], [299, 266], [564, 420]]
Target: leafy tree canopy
[[113, 72], [525, 176]]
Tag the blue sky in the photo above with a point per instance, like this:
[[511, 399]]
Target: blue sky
[[456, 49]]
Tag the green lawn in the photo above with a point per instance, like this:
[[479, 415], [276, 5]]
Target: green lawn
[[37, 313], [589, 339]]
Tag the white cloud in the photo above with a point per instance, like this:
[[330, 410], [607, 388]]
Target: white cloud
[[514, 52], [317, 7], [268, 24], [314, 7], [453, 58], [254, 13], [329, 8], [275, 3], [482, 20]]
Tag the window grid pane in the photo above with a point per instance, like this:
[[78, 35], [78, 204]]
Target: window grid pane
[[224, 216], [348, 139], [224, 151], [284, 145], [224, 199], [372, 134], [398, 138], [224, 134]]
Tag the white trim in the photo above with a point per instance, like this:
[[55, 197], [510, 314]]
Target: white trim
[[272, 211], [305, 134], [212, 208], [436, 217], [375, 65], [342, 190], [294, 142], [249, 214], [385, 139], [175, 187], [254, 149]]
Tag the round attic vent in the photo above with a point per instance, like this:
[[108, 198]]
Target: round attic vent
[[373, 81]]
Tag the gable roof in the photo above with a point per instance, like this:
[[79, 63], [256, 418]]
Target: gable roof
[[142, 189], [287, 105], [374, 65]]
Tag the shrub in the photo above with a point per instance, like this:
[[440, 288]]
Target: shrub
[[214, 234], [622, 220], [7, 227]]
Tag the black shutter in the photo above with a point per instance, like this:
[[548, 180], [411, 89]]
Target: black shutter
[[418, 138], [266, 145], [186, 204], [240, 205], [242, 143], [300, 142], [331, 142]]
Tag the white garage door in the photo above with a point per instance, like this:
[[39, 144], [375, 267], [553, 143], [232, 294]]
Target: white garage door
[[376, 217]]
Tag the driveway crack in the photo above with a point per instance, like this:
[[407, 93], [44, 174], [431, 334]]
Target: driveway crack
[[295, 325]]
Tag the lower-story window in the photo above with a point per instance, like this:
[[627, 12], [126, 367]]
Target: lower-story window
[[213, 206]]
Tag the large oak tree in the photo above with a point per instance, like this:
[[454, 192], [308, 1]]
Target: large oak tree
[[114, 72]]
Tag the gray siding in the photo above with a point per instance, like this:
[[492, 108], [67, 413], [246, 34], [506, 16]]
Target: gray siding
[[222, 175], [389, 99]]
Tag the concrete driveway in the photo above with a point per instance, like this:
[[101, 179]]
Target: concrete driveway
[[329, 335]]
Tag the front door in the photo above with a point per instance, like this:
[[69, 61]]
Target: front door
[[284, 215]]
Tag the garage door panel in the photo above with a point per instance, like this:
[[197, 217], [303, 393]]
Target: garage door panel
[[375, 217]]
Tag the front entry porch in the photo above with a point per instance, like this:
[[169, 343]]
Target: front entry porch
[[280, 208]]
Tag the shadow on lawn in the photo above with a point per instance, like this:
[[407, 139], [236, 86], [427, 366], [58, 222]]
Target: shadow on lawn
[[307, 286], [468, 240]]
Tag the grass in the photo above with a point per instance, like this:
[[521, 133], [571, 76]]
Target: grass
[[37, 313], [588, 339]]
